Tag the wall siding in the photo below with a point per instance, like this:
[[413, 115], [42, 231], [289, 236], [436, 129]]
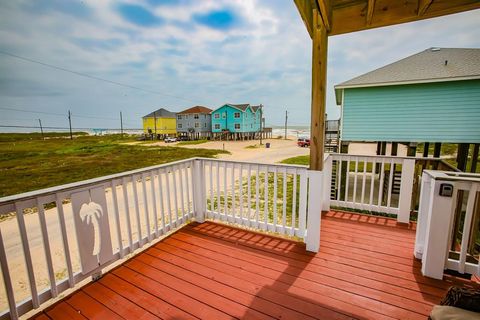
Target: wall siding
[[247, 121], [433, 112], [164, 125], [188, 118]]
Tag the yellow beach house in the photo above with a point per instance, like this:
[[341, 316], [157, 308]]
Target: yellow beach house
[[160, 123]]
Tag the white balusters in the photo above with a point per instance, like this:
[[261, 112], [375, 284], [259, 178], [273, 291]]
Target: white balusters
[[379, 195]]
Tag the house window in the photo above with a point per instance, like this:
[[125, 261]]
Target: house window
[[217, 116], [236, 115], [237, 126], [197, 125], [195, 116], [224, 115], [205, 125], [217, 126], [179, 126], [179, 117], [251, 126]]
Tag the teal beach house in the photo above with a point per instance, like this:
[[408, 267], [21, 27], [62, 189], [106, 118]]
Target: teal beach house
[[430, 97], [236, 121]]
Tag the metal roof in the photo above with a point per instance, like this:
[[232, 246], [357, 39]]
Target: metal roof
[[431, 65], [160, 113]]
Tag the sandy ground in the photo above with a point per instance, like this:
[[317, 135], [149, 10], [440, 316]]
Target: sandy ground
[[279, 149]]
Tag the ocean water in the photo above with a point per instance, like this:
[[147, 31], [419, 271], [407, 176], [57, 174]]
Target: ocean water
[[292, 131]]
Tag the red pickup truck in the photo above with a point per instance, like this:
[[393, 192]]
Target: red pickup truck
[[303, 142]]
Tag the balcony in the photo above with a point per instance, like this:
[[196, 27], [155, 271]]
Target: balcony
[[205, 238]]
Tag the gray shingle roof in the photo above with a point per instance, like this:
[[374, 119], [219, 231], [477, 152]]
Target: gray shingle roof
[[160, 113], [425, 65], [431, 65]]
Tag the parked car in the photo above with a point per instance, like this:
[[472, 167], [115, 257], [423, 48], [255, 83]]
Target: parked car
[[303, 142], [170, 139]]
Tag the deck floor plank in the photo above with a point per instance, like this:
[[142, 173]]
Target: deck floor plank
[[365, 270]]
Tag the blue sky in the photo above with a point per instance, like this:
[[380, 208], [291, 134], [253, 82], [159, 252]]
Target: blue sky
[[184, 53]]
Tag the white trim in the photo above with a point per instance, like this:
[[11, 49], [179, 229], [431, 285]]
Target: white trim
[[398, 83]]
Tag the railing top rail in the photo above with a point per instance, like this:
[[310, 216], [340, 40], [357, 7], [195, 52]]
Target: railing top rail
[[84, 183], [280, 165], [453, 176], [376, 156]]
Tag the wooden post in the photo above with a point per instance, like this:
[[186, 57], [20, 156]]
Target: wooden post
[[394, 150], [314, 213], [473, 167], [426, 145], [121, 124], [462, 156], [286, 119], [155, 123], [43, 138], [319, 84], [70, 124], [436, 150]]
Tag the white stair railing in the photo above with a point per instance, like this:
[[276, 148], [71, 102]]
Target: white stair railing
[[448, 223], [371, 183]]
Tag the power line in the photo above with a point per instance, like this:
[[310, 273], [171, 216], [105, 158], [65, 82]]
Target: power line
[[66, 128], [85, 75], [57, 114]]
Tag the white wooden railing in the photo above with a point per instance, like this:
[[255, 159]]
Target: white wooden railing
[[74, 231], [448, 223], [60, 236], [371, 183]]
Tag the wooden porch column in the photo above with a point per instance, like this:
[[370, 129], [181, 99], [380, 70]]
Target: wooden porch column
[[319, 84], [473, 167]]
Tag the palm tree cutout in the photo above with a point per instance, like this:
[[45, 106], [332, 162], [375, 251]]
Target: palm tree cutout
[[91, 213]]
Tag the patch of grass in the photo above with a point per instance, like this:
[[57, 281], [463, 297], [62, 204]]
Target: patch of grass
[[299, 160], [253, 146], [185, 143], [242, 187], [32, 164]]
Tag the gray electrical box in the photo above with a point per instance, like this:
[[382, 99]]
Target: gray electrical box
[[446, 190]]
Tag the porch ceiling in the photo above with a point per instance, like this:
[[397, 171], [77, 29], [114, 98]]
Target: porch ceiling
[[344, 16]]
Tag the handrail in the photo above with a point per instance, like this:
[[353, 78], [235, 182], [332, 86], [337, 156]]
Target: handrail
[[136, 207]]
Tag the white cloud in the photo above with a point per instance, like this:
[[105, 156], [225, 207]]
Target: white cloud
[[265, 59]]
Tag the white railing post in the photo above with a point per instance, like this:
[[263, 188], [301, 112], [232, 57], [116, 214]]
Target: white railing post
[[423, 209], [314, 211], [406, 187], [437, 233], [199, 195], [327, 182]]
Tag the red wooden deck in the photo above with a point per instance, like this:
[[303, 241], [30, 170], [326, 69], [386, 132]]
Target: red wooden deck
[[364, 270]]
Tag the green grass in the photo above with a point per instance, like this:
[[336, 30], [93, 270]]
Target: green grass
[[230, 201], [253, 146], [185, 143], [299, 160], [30, 163]]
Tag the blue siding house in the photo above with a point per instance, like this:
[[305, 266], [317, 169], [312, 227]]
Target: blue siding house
[[236, 121], [432, 96]]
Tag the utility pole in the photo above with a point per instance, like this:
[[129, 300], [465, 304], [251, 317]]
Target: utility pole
[[121, 124], [155, 123], [70, 124], [41, 128], [286, 119], [261, 120]]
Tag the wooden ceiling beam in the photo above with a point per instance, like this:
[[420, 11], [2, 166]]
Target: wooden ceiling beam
[[423, 6], [325, 7], [370, 9], [305, 8]]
